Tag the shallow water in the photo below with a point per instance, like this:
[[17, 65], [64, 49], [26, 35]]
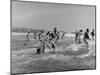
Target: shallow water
[[68, 56]]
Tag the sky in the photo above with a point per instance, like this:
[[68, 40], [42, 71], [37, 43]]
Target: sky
[[65, 17]]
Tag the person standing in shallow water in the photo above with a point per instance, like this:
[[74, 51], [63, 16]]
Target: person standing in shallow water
[[34, 35], [76, 36], [27, 38], [79, 36], [55, 30], [86, 37]]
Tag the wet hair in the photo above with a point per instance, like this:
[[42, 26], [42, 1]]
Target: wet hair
[[81, 30]]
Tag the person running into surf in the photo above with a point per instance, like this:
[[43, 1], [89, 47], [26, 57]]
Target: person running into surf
[[86, 37], [92, 34], [55, 35], [79, 36], [47, 42], [42, 48], [55, 30], [50, 44], [42, 39], [52, 39]]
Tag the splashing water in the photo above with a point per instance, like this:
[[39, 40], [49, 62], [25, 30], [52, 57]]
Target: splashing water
[[91, 50]]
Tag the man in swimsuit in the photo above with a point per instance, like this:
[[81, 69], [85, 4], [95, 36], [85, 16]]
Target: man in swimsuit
[[86, 37], [79, 36]]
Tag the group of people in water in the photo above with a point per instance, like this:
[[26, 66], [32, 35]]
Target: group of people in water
[[49, 38], [86, 36], [46, 39]]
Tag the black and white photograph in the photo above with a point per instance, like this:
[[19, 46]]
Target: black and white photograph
[[52, 37]]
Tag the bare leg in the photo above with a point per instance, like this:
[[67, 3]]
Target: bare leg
[[53, 46], [76, 40], [26, 42], [85, 41]]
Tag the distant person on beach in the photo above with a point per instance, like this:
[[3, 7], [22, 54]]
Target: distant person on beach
[[34, 35], [86, 37], [92, 34], [27, 38]]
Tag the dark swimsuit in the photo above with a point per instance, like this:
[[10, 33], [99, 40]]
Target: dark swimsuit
[[86, 36]]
